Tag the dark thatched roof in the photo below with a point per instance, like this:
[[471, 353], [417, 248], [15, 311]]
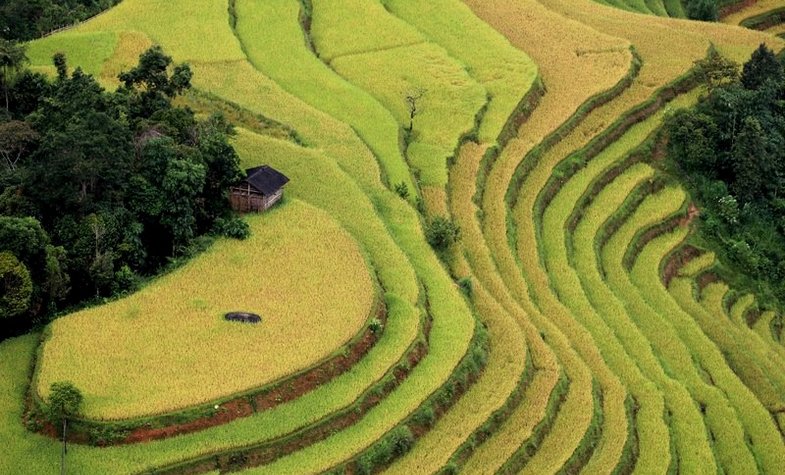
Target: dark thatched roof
[[266, 179]]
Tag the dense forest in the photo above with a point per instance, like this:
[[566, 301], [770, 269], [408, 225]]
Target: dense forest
[[98, 188], [730, 152], [28, 19]]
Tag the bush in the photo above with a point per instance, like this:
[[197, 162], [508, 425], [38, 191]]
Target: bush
[[64, 400], [125, 280], [465, 284], [376, 326], [16, 287], [233, 227], [442, 233], [402, 190]]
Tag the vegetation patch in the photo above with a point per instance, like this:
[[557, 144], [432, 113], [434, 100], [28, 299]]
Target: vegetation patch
[[230, 274]]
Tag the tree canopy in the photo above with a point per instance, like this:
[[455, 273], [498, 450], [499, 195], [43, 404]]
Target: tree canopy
[[731, 151], [99, 187]]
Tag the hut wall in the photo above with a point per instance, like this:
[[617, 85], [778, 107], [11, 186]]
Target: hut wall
[[245, 200], [269, 201]]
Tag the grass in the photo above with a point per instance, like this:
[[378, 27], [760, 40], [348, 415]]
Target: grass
[[594, 333], [86, 50], [506, 72], [698, 264], [681, 380], [633, 358], [288, 61], [532, 409], [740, 308], [757, 8], [756, 366], [182, 27], [282, 272], [449, 91], [346, 27], [754, 422]]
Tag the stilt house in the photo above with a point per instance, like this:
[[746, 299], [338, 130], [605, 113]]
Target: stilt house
[[262, 188]]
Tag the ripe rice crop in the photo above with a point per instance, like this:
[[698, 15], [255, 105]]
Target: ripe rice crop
[[86, 50], [182, 27], [283, 273], [505, 72], [756, 8], [273, 38], [448, 91], [753, 419], [344, 27]]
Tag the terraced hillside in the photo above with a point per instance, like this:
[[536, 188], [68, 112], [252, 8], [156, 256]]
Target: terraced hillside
[[570, 329]]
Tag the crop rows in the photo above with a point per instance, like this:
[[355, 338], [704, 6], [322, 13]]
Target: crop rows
[[568, 329]]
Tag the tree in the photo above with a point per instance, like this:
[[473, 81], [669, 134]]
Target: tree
[[715, 70], [412, 100], [441, 233], [703, 10], [16, 138], [749, 156], [12, 62], [16, 288], [763, 66], [149, 84], [65, 401]]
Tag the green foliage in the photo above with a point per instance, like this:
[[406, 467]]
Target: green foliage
[[465, 284], [763, 66], [402, 190], [65, 400], [729, 149], [715, 70], [25, 20], [376, 326], [150, 85], [233, 227], [703, 10], [441, 233], [12, 61], [122, 181], [16, 288]]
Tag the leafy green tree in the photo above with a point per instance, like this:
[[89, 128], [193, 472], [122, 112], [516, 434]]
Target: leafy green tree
[[12, 62], [65, 401], [16, 287], [749, 157], [149, 84], [703, 10], [16, 139], [222, 169], [441, 233], [763, 66], [29, 242], [715, 70]]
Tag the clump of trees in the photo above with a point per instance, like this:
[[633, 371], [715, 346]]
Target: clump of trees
[[703, 10], [730, 150], [28, 19], [98, 188]]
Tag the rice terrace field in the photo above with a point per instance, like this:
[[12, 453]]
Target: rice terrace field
[[577, 323]]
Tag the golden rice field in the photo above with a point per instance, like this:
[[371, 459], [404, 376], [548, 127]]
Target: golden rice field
[[546, 340], [299, 270]]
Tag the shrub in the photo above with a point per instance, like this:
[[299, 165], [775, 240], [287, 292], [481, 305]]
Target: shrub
[[402, 190], [442, 233], [15, 285], [465, 284], [125, 280], [64, 400], [233, 227], [376, 326]]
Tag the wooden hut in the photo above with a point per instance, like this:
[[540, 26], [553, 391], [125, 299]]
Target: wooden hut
[[262, 188]]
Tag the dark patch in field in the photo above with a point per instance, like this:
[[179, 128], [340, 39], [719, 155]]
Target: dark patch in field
[[243, 317]]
